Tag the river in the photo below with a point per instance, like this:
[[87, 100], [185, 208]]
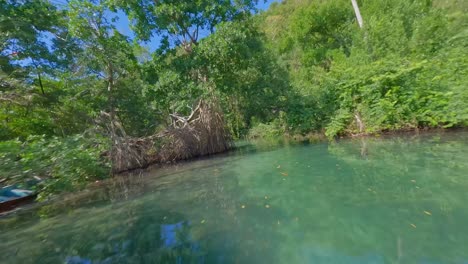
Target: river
[[394, 199]]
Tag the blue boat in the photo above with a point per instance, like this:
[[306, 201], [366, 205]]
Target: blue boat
[[12, 197]]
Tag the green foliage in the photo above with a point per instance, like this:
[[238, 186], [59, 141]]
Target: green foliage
[[300, 67], [403, 70], [22, 24], [320, 28], [246, 76], [185, 19], [264, 131], [72, 69], [65, 164]]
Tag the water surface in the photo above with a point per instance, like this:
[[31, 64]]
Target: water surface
[[401, 199]]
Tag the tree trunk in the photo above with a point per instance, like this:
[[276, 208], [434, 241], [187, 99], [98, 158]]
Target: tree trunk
[[359, 122], [110, 91], [110, 102], [358, 13]]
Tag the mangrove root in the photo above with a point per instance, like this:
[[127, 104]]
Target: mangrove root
[[201, 133]]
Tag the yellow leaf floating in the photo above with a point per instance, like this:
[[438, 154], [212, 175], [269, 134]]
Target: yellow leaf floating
[[266, 197], [284, 174], [413, 181], [267, 206], [413, 225], [242, 206], [202, 221], [428, 213], [279, 166]]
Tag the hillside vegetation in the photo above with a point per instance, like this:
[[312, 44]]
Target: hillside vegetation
[[81, 101], [405, 69]]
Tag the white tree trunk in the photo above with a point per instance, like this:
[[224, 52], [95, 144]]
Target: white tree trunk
[[358, 13]]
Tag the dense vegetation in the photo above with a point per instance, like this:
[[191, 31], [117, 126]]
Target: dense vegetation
[[405, 69], [74, 90]]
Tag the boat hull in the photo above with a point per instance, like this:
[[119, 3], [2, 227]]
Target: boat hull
[[13, 203]]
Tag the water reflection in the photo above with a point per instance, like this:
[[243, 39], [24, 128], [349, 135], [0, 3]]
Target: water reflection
[[175, 245], [396, 200]]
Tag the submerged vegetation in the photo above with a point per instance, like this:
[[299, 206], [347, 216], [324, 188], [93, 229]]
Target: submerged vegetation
[[360, 200], [80, 100]]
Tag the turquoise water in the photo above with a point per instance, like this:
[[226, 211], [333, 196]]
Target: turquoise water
[[401, 199]]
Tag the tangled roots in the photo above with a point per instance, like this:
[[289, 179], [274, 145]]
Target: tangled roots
[[202, 133]]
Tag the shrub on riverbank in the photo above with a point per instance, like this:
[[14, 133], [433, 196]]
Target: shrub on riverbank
[[60, 164], [299, 69], [405, 69]]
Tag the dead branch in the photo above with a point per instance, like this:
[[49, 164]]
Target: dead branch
[[201, 133]]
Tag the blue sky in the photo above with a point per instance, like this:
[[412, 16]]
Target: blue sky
[[124, 27]]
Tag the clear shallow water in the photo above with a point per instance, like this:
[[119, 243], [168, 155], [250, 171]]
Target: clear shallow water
[[402, 199]]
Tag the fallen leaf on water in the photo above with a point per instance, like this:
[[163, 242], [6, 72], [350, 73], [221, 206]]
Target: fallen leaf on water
[[414, 181], [202, 221], [413, 225], [242, 206], [284, 179], [267, 206], [266, 197], [428, 213], [284, 174], [417, 187], [279, 166]]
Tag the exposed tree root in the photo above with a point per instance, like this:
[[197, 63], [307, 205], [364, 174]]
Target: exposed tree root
[[201, 133]]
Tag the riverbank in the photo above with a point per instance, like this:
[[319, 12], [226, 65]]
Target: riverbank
[[297, 67], [240, 146], [405, 189]]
